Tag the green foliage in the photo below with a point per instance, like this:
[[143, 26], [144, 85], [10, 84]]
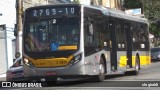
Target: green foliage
[[152, 13], [76, 1], [151, 10], [130, 4]]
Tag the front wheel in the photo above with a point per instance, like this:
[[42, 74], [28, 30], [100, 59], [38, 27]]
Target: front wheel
[[101, 76]]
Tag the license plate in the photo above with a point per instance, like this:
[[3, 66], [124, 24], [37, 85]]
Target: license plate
[[51, 73]]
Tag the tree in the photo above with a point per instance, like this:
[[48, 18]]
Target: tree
[[151, 9], [76, 1], [130, 4]]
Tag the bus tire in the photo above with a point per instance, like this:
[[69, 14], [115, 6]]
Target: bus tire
[[101, 76], [137, 66]]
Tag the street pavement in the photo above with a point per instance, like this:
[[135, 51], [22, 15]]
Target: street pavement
[[3, 76], [148, 79]]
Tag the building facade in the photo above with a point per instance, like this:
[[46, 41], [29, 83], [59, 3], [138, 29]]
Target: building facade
[[7, 18], [31, 3], [116, 4], [3, 49]]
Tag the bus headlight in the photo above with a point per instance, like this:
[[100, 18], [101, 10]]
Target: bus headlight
[[76, 59], [28, 62]]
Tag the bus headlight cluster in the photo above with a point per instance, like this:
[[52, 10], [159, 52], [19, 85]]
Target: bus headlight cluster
[[28, 62], [76, 59]]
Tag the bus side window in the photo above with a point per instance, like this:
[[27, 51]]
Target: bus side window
[[88, 36], [107, 43]]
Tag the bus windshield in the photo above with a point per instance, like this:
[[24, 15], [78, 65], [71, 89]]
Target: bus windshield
[[51, 35]]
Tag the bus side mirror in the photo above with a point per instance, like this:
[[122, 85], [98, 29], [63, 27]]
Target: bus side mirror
[[17, 55], [14, 60]]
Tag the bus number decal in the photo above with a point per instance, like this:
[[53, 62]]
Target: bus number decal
[[54, 11], [34, 12], [66, 10], [47, 11], [72, 10], [40, 12], [54, 21]]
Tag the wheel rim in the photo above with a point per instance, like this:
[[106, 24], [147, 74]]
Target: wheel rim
[[101, 72], [137, 67], [101, 68]]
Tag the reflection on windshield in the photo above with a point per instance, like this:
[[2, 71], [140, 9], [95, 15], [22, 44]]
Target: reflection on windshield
[[47, 35]]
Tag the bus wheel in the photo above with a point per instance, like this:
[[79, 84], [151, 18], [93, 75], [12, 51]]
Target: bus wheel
[[101, 75], [137, 66]]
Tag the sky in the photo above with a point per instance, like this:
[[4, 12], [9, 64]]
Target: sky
[[8, 10]]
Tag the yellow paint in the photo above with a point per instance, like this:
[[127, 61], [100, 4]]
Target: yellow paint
[[74, 47], [54, 62], [123, 61], [144, 60]]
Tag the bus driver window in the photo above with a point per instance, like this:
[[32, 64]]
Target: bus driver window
[[42, 33]]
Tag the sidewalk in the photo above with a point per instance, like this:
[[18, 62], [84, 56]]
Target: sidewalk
[[2, 77]]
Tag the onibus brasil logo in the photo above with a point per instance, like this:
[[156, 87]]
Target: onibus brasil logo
[[17, 84]]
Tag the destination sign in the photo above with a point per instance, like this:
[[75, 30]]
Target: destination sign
[[53, 11]]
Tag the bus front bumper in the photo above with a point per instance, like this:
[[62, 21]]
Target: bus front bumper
[[67, 72]]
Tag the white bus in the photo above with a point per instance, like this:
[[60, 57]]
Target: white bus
[[72, 40]]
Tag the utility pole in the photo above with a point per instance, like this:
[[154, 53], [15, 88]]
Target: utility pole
[[19, 9], [142, 7]]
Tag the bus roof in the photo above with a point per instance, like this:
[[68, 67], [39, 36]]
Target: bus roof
[[104, 10], [118, 14], [51, 5]]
